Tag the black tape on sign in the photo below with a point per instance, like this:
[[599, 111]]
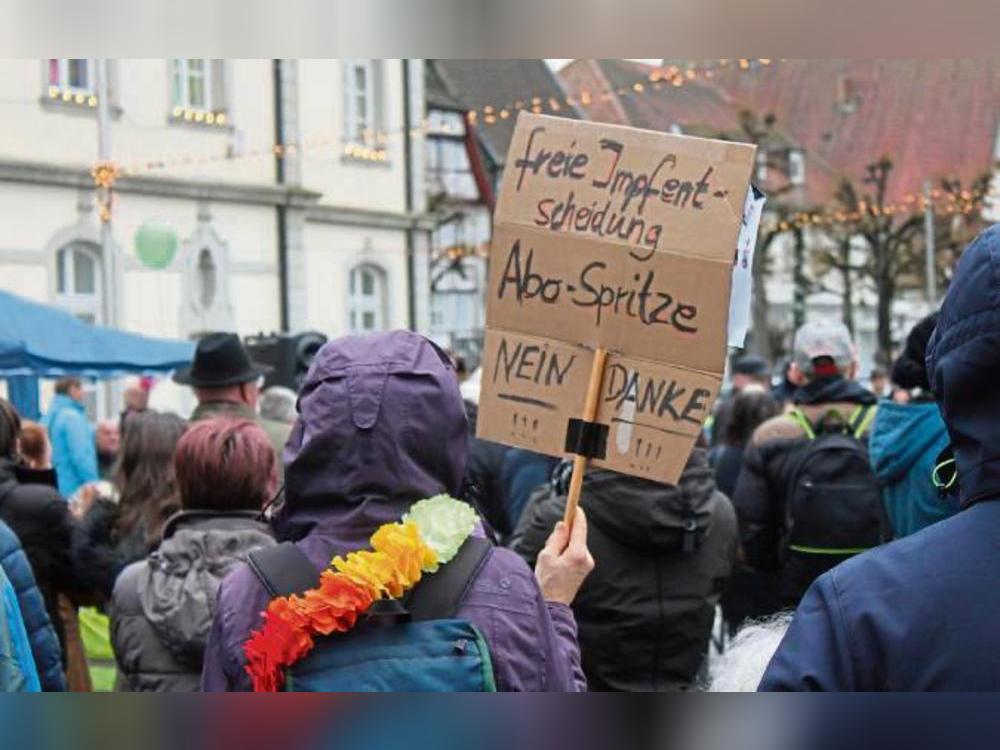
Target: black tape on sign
[[588, 439]]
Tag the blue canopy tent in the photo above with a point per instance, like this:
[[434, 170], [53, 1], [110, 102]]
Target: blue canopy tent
[[40, 341]]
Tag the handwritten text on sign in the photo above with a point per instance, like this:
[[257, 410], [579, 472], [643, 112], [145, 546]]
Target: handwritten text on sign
[[665, 308], [649, 191], [653, 411]]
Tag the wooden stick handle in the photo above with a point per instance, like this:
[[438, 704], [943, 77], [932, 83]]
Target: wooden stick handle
[[589, 415]]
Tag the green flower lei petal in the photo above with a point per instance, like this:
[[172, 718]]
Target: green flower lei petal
[[444, 524]]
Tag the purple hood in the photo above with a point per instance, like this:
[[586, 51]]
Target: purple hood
[[381, 424]]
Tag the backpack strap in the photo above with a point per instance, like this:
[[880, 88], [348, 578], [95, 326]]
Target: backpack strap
[[799, 417], [858, 423], [283, 569], [438, 596], [861, 420]]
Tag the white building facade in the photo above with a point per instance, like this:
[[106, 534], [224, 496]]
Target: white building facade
[[293, 192]]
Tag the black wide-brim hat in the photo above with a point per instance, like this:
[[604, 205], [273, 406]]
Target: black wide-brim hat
[[220, 360]]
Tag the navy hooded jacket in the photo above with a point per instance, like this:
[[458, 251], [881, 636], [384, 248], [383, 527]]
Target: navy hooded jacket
[[44, 643], [922, 613]]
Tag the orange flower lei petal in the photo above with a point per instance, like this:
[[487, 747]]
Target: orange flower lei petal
[[395, 564], [335, 605]]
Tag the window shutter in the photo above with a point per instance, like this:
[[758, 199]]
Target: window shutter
[[176, 83], [220, 102], [378, 95], [348, 89]]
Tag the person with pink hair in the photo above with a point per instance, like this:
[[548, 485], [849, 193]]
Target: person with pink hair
[[162, 607]]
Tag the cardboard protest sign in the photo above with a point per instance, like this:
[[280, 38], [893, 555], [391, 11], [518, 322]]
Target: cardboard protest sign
[[532, 390], [654, 413], [621, 239]]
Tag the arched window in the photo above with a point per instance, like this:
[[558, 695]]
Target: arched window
[[367, 299], [78, 291], [206, 279], [78, 280]]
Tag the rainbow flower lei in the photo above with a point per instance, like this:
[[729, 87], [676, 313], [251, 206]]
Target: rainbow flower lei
[[428, 536]]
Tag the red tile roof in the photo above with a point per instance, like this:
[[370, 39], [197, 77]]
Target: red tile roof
[[933, 118], [588, 76], [694, 105]]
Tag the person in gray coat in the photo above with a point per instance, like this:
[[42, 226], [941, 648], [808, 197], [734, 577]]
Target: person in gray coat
[[162, 607]]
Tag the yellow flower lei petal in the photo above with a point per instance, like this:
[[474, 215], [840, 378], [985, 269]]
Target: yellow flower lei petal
[[395, 564]]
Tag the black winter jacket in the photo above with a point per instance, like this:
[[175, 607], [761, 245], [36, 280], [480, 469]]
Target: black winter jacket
[[646, 611], [162, 607], [763, 488], [99, 555], [45, 527]]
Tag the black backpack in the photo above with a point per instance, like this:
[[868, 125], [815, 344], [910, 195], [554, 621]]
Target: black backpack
[[834, 504]]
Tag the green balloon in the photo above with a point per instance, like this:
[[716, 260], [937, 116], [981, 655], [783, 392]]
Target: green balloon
[[156, 244]]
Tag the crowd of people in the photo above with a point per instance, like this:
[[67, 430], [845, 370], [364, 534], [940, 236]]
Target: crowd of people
[[823, 535]]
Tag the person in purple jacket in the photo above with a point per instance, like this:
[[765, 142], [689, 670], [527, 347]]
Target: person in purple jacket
[[381, 425]]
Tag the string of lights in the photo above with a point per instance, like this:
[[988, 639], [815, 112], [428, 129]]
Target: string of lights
[[655, 80], [373, 148], [374, 145], [965, 203]]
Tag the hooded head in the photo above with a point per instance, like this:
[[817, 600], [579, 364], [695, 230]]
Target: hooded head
[[381, 425], [910, 370], [963, 361]]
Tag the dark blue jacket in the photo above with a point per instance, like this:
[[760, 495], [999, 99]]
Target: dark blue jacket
[[523, 471], [44, 643], [922, 613]]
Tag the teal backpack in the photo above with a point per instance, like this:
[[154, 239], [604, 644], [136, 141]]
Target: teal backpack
[[410, 645]]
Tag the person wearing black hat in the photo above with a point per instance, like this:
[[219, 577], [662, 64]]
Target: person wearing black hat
[[227, 382]]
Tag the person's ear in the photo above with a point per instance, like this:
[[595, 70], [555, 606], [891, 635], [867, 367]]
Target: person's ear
[[796, 376]]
